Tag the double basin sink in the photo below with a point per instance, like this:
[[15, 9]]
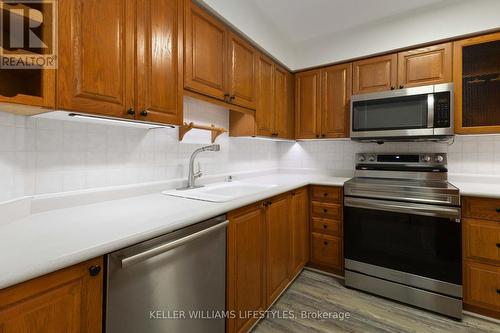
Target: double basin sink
[[220, 192]]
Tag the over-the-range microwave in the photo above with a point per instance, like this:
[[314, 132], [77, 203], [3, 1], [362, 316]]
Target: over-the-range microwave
[[411, 114]]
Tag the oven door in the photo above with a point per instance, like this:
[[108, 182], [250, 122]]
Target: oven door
[[413, 244]]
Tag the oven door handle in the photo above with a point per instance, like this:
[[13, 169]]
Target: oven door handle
[[452, 213]]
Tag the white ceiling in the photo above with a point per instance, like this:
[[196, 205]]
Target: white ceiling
[[301, 20]]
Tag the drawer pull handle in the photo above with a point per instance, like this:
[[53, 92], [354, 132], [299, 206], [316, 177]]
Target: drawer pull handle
[[326, 227], [325, 194], [326, 243], [325, 210]]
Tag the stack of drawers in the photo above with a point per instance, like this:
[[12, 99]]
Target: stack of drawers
[[326, 226], [481, 252]]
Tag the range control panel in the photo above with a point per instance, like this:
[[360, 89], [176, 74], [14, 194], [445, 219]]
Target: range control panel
[[421, 159]]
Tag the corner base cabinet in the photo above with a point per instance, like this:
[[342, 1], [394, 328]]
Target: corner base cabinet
[[267, 248], [66, 301]]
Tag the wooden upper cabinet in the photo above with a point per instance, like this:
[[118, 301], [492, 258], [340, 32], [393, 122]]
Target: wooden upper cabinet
[[242, 72], [299, 226], [307, 104], [336, 92], [282, 114], [96, 65], [160, 61], [375, 74], [264, 115], [246, 236], [69, 301], [205, 55], [476, 77], [427, 65], [278, 246]]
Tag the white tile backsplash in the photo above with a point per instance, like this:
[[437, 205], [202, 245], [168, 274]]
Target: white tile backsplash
[[478, 154], [41, 156]]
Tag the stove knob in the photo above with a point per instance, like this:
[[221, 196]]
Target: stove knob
[[439, 159], [361, 158], [427, 158], [371, 158]]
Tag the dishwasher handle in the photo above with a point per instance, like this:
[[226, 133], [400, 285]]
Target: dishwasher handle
[[133, 259]]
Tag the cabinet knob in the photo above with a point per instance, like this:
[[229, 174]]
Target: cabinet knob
[[401, 86], [498, 210], [498, 291], [322, 135], [317, 135], [392, 88], [94, 270], [325, 210], [325, 242], [144, 113], [498, 245], [226, 98], [131, 111], [325, 226], [232, 97], [325, 194]]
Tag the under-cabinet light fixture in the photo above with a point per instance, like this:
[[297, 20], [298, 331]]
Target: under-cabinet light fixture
[[116, 121]]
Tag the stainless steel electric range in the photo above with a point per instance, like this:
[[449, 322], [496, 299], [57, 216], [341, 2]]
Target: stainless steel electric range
[[402, 231]]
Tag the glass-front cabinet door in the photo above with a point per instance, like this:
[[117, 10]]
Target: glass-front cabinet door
[[477, 84]]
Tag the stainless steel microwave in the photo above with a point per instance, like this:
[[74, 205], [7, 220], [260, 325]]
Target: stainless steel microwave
[[419, 113]]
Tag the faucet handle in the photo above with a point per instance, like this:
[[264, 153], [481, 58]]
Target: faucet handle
[[198, 173]]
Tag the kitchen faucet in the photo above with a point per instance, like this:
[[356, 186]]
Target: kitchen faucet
[[191, 174]]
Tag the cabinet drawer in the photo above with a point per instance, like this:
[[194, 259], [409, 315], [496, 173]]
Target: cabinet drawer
[[481, 208], [482, 240], [326, 227], [327, 210], [326, 251], [327, 193], [482, 285]]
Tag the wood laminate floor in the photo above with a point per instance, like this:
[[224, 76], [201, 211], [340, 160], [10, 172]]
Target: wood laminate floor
[[312, 292]]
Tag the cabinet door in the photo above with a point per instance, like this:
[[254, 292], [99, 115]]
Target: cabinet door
[[299, 225], [375, 74], [96, 67], [336, 91], [427, 65], [242, 72], [282, 113], [476, 75], [264, 115], [69, 301], [245, 265], [278, 247], [307, 104], [159, 56], [205, 53]]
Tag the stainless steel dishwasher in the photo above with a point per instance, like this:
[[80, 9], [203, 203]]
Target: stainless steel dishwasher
[[172, 283]]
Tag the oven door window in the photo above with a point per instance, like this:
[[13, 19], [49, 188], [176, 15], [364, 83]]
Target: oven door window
[[415, 244], [397, 113]]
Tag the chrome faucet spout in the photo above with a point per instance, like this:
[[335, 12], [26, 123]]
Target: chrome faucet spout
[[191, 174]]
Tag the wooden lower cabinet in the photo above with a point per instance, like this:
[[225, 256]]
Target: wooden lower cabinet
[[481, 253], [299, 225], [326, 229], [66, 301], [267, 248]]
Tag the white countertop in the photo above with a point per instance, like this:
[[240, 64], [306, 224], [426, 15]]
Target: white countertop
[[64, 230], [44, 242]]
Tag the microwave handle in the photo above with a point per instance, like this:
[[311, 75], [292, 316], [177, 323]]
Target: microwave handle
[[430, 110]]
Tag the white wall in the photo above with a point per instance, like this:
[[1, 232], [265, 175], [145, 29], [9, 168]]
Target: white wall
[[40, 156], [442, 21], [470, 155]]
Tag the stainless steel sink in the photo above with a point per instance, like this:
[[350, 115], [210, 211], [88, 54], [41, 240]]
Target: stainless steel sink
[[221, 192]]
